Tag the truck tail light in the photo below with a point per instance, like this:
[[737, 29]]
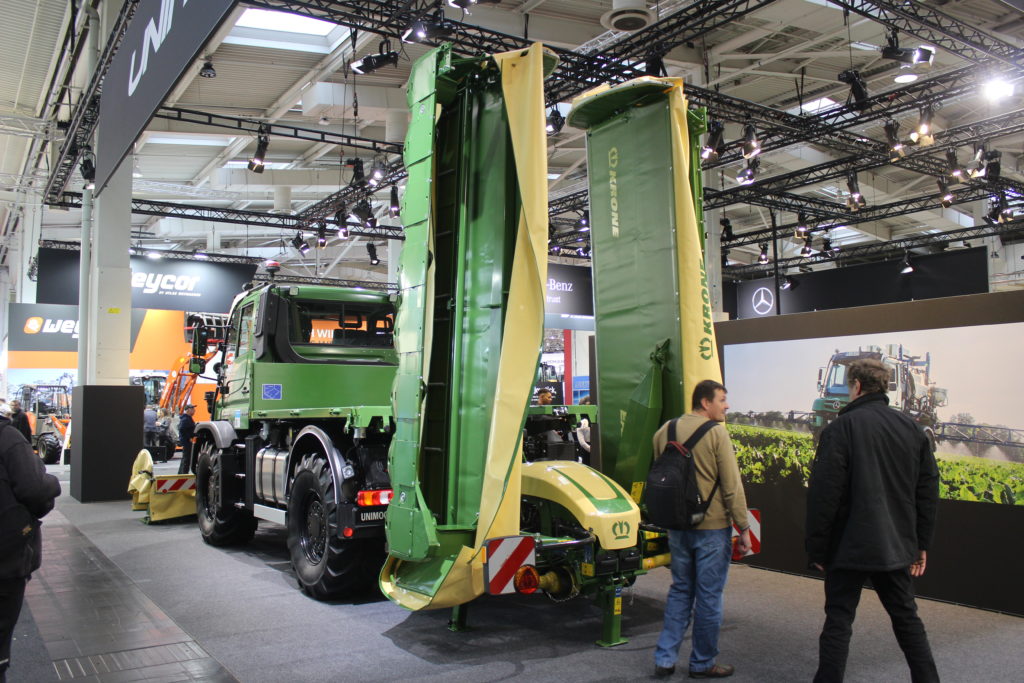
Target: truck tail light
[[373, 498], [527, 580]]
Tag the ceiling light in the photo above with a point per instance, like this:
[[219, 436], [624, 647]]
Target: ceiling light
[[996, 89], [377, 171], [199, 254], [371, 250], [394, 208], [428, 30], [321, 237], [855, 202], [923, 134], [208, 71], [802, 229], [763, 256], [751, 145], [789, 282], [826, 246], [905, 77], [258, 160], [858, 89], [88, 169], [955, 172], [385, 55], [300, 243], [555, 121], [896, 151], [976, 166], [727, 234], [709, 151], [906, 267], [583, 222], [806, 250], [155, 255], [362, 212], [749, 172], [556, 249], [1000, 211], [993, 165], [945, 196]]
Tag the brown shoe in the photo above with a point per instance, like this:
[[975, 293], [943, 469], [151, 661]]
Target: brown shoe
[[717, 671]]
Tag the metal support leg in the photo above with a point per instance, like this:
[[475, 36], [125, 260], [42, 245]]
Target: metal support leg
[[609, 598], [460, 618]]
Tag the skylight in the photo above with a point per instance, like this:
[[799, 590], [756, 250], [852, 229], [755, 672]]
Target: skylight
[[271, 20]]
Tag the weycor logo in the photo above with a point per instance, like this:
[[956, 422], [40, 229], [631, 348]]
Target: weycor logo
[[176, 285], [37, 325], [156, 31]]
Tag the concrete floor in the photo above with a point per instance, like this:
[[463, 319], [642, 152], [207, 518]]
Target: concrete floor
[[118, 600]]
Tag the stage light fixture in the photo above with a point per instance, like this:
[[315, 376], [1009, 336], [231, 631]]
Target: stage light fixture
[[321, 237], [555, 121], [358, 176], [341, 218], [806, 250], [725, 258], [362, 212], [945, 196], [556, 249], [763, 256], [924, 133], [955, 172], [826, 246], [858, 89], [394, 208], [431, 29], [258, 160], [709, 151], [87, 167], [208, 71], [976, 166], [1000, 211], [749, 172], [993, 165], [996, 89], [751, 145], [802, 229], [789, 282], [907, 55], [907, 267], [299, 242], [370, 63], [896, 150], [583, 222], [378, 169], [200, 254], [371, 251], [727, 234], [855, 202]]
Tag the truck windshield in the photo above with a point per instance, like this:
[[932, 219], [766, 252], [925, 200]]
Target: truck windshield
[[342, 323], [835, 383]]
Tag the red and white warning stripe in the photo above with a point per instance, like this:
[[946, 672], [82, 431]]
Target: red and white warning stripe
[[504, 556], [754, 518], [171, 483]]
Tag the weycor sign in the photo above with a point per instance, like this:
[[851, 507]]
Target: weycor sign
[[48, 327], [163, 38]]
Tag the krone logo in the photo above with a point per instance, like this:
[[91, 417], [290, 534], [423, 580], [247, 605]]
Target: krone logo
[[621, 529], [613, 157], [763, 300], [33, 325], [705, 348]]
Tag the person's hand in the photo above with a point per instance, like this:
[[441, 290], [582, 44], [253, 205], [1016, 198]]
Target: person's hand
[[917, 568], [743, 544]]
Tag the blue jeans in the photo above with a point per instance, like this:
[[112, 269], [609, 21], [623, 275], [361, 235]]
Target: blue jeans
[[700, 566]]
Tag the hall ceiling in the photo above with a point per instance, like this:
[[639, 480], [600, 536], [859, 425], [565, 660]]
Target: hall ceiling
[[763, 60]]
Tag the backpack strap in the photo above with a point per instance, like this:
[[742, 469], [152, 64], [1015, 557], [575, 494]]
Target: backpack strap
[[672, 429], [697, 435]]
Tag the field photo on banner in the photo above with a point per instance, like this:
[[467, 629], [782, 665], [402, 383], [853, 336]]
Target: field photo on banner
[[964, 385]]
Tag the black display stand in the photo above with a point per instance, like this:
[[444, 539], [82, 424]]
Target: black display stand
[[106, 436]]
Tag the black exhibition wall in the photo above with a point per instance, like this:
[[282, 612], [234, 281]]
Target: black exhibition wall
[[950, 273], [967, 345]]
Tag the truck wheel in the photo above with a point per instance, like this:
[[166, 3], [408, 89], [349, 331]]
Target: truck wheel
[[219, 526], [326, 565], [49, 448]]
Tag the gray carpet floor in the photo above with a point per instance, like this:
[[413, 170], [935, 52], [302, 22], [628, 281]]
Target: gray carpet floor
[[242, 608]]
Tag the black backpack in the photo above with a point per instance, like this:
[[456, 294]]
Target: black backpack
[[672, 496]]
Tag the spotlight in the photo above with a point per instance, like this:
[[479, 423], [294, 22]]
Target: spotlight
[[751, 145], [855, 202], [362, 212], [709, 152], [583, 222], [922, 135], [358, 176], [993, 165], [321, 237], [343, 231], [955, 172], [300, 243], [377, 172], [428, 30], [826, 246], [801, 226], [394, 208], [1000, 211], [727, 235], [385, 55], [806, 250], [945, 196], [341, 218], [907, 55], [763, 256], [556, 249], [200, 254], [371, 250], [155, 255], [88, 169], [257, 162], [583, 251], [725, 258], [208, 71], [907, 267], [997, 89], [747, 175], [976, 166], [896, 151], [789, 282], [858, 89], [555, 121]]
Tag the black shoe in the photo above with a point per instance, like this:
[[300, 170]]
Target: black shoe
[[663, 671], [717, 671]]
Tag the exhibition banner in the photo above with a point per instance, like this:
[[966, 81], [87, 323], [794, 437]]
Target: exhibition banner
[[50, 327], [163, 38], [570, 291], [169, 284]]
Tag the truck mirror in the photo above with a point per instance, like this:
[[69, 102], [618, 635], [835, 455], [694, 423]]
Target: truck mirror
[[200, 339], [197, 366]]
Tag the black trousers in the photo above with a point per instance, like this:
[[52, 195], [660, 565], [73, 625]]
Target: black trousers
[[186, 465], [842, 593], [12, 593]]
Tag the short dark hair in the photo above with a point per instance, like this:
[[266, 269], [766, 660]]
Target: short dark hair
[[544, 391], [872, 374], [705, 390]]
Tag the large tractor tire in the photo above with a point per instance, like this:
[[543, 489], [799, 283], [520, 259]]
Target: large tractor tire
[[221, 524], [326, 565], [49, 448]]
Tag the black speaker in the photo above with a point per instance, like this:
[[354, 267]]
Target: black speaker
[[106, 436]]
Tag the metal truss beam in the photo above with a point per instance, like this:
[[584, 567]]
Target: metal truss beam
[[575, 201], [25, 127], [328, 206], [881, 250], [254, 126], [73, 200], [336, 282]]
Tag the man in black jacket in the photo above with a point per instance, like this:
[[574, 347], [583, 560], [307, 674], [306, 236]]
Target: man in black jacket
[[19, 418], [186, 430], [27, 493], [870, 514]]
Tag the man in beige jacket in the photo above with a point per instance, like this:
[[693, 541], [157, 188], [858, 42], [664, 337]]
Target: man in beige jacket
[[700, 556]]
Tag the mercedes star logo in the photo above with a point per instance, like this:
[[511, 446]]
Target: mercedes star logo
[[763, 301]]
